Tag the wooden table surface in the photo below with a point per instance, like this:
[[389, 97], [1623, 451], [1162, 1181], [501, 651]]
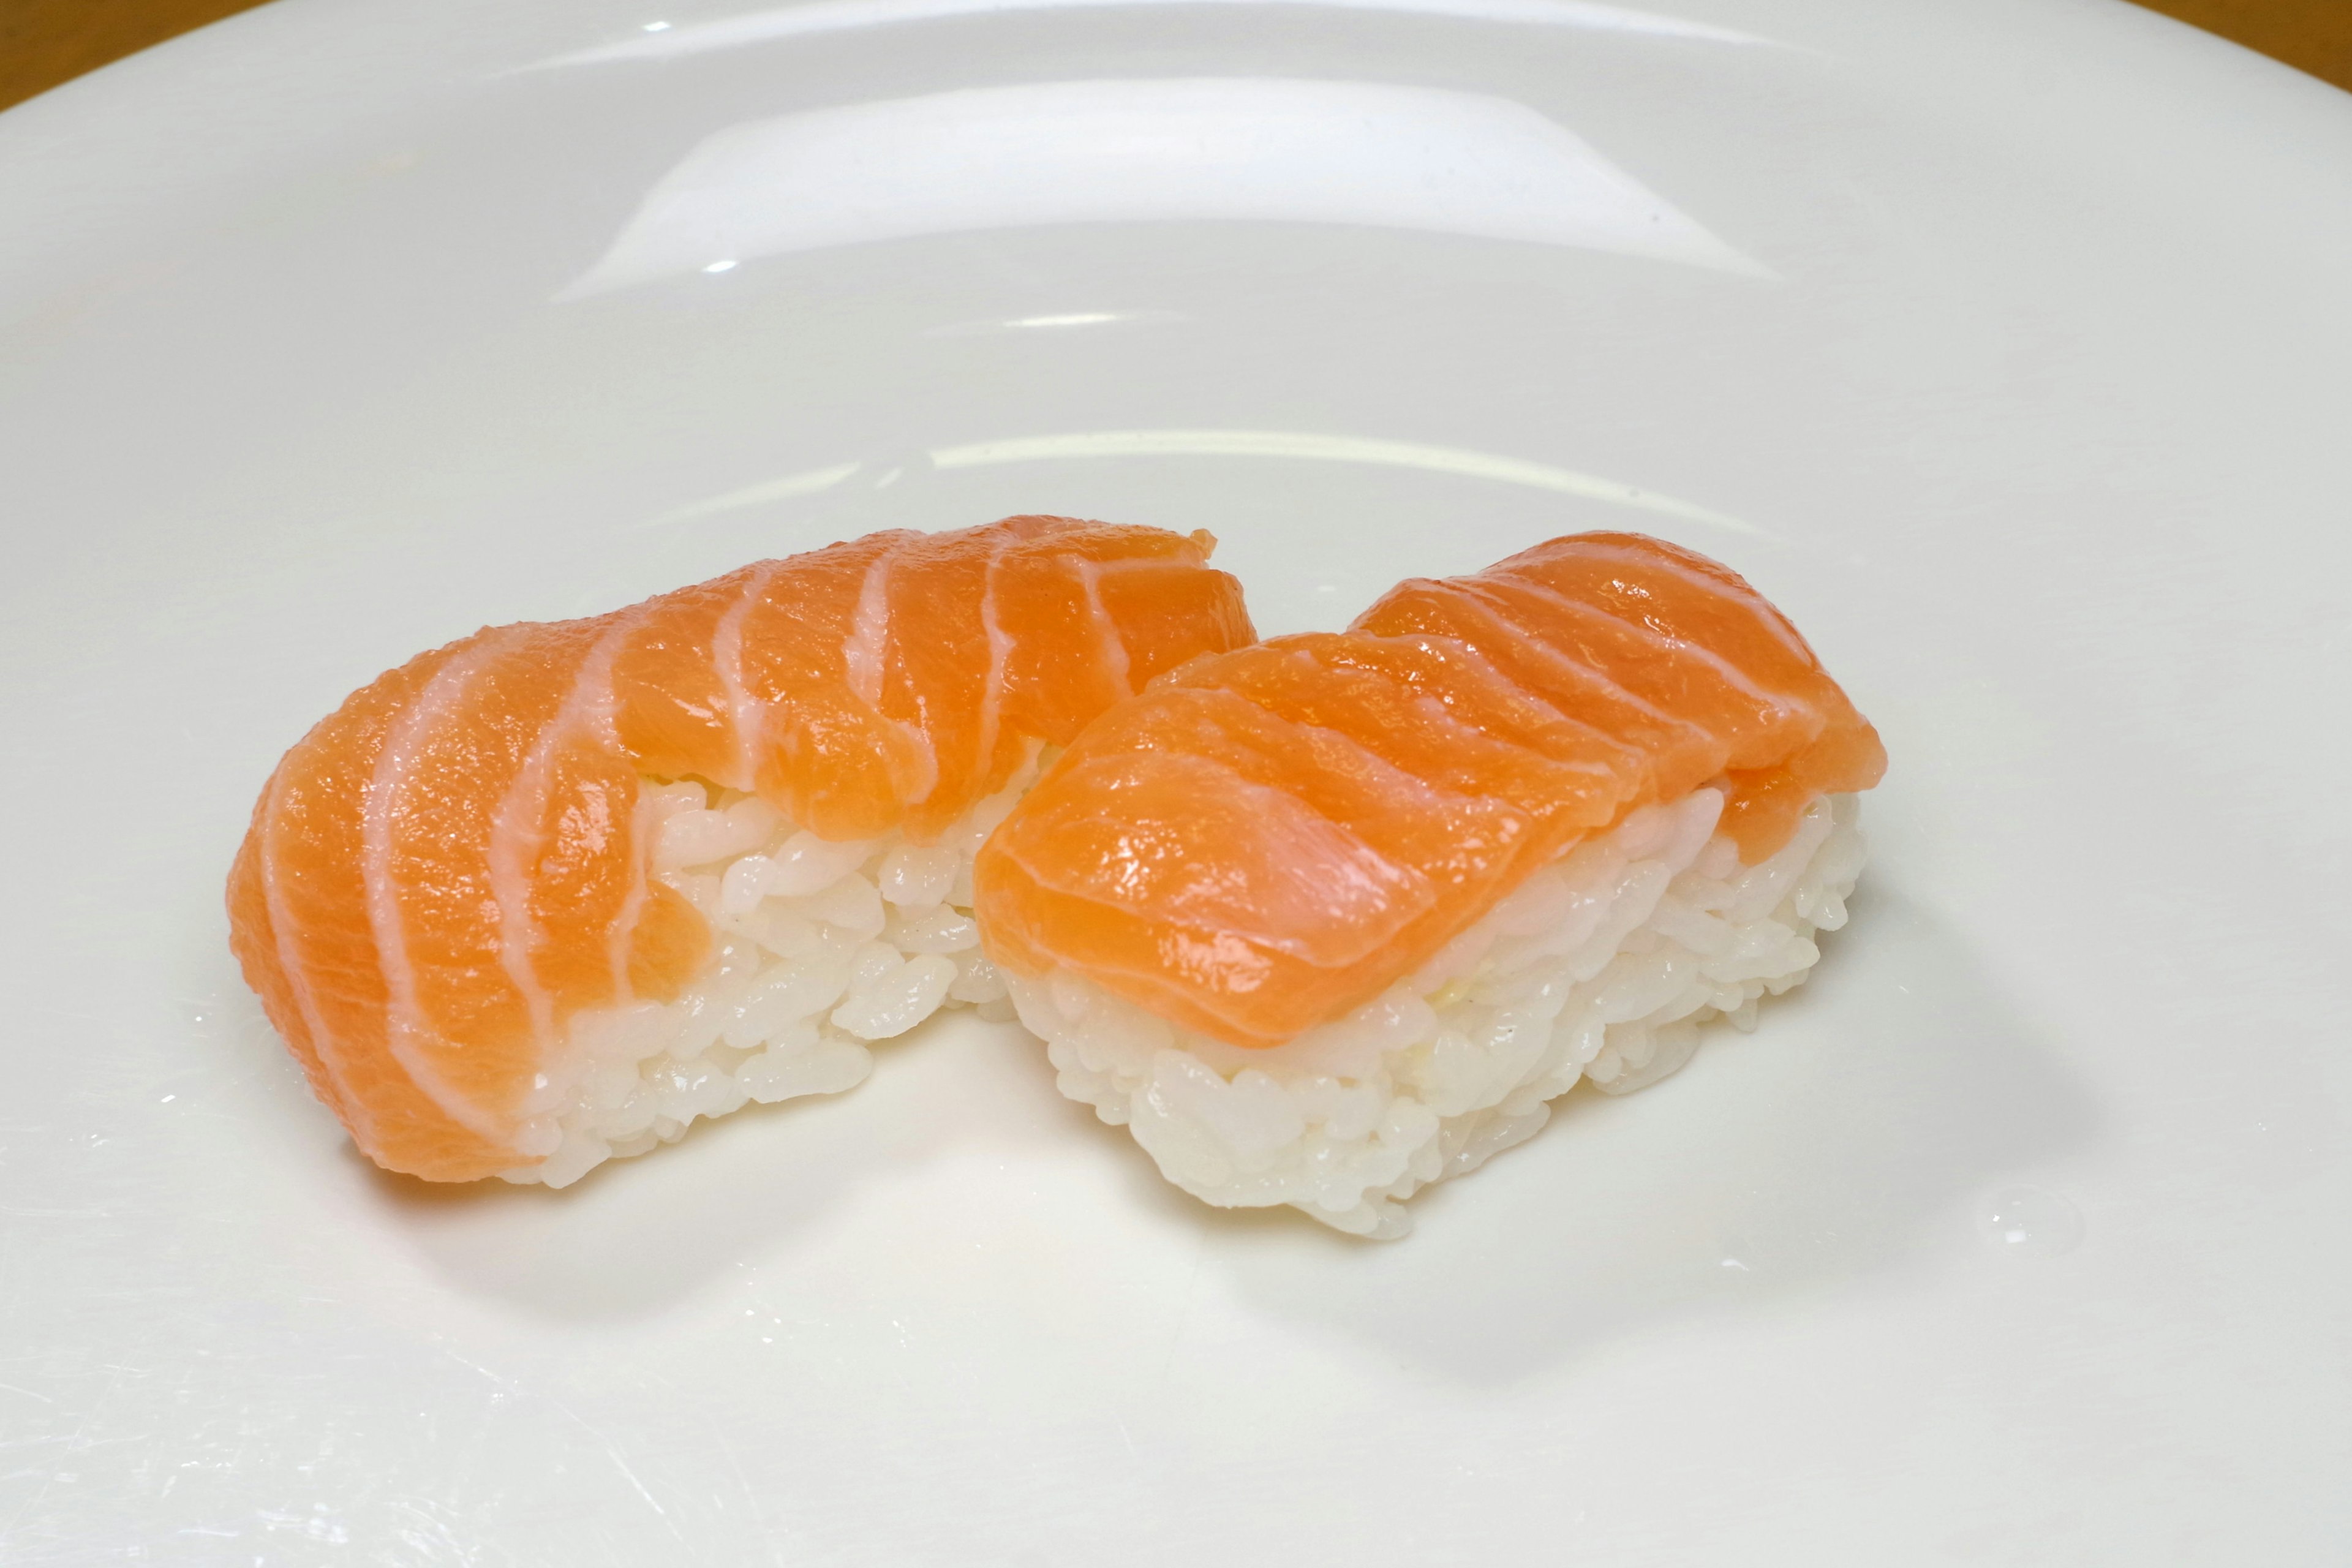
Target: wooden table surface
[[45, 42]]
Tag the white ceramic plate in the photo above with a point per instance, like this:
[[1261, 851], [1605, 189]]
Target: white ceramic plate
[[2008, 345]]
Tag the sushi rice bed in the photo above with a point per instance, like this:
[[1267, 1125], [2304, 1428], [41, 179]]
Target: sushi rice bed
[[819, 948], [1601, 967]]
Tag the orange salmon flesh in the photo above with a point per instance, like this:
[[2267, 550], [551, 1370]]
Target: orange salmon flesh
[[1269, 837], [449, 866]]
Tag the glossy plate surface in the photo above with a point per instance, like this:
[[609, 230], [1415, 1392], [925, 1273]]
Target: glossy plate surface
[[2008, 345]]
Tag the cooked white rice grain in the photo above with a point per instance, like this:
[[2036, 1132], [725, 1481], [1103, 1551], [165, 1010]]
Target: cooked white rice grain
[[1601, 967], [820, 947]]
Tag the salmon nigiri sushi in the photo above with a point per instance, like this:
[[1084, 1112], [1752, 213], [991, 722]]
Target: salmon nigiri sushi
[[544, 896], [1328, 919]]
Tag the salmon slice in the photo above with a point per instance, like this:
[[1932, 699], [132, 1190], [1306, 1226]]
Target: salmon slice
[[1269, 838], [448, 873]]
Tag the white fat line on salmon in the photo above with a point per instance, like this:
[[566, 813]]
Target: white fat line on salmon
[[1114, 650], [1747, 598], [727, 659], [1456, 461], [861, 654], [1737, 679], [403, 1032], [1351, 872], [1542, 711], [1391, 780], [1570, 674], [516, 836], [621, 941], [1470, 733], [289, 959], [605, 724], [1632, 760], [992, 699], [864, 659]]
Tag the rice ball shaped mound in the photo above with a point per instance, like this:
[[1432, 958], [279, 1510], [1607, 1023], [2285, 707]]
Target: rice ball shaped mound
[[544, 896], [1329, 918]]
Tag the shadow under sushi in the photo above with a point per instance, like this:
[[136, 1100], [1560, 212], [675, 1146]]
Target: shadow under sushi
[[636, 1237], [1848, 1137]]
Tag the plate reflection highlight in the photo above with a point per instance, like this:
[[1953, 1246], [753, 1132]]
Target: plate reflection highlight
[[1187, 149]]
